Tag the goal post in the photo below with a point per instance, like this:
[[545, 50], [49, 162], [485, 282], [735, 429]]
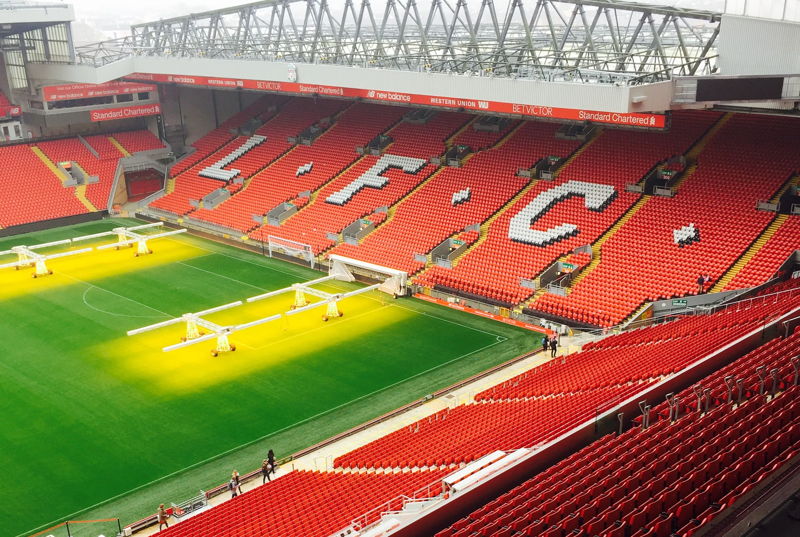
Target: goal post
[[291, 248], [393, 281]]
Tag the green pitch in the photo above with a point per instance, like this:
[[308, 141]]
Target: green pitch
[[97, 424]]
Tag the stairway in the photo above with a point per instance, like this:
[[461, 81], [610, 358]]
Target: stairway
[[119, 147], [79, 191], [745, 258], [598, 244]]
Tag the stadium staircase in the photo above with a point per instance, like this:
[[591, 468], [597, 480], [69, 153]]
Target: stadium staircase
[[79, 193], [765, 263], [119, 146], [751, 252]]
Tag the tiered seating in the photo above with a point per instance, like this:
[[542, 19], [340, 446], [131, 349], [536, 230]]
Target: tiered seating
[[220, 136], [770, 257], [749, 159], [189, 185], [103, 146], [279, 182], [430, 215], [135, 141], [649, 483], [71, 149], [495, 268], [312, 504], [642, 354], [311, 225], [29, 191], [467, 432], [668, 479]]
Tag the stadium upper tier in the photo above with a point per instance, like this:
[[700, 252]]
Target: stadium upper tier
[[394, 206], [599, 41]]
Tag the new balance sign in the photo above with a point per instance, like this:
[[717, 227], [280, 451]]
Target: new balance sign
[[126, 112]]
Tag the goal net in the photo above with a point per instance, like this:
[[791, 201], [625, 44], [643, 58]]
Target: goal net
[[393, 281], [291, 248]]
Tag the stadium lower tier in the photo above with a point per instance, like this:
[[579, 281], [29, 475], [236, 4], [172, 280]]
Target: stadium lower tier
[[695, 458], [32, 187], [671, 478], [312, 504]]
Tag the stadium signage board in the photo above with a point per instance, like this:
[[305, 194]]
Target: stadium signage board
[[655, 121], [66, 92], [125, 112]]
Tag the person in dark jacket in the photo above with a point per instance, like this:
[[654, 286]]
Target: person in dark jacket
[[545, 343], [266, 469], [553, 345]]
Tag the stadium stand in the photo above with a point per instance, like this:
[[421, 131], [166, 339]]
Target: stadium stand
[[467, 432], [135, 141], [640, 354], [292, 118], [320, 217], [632, 266], [281, 182], [312, 504], [431, 214], [773, 251], [495, 267], [104, 166], [666, 479], [29, 191]]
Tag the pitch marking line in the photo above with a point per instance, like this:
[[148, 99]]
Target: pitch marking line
[[86, 303]]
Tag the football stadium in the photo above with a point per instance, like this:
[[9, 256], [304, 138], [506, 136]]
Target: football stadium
[[354, 268]]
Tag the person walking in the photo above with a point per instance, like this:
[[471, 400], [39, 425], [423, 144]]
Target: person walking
[[233, 486], [545, 343], [266, 469], [271, 461], [701, 282], [553, 346], [162, 516], [235, 478]]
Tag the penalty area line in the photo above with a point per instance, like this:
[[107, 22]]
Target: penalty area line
[[255, 441]]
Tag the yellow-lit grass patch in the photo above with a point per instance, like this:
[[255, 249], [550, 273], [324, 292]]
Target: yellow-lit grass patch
[[92, 266], [290, 338]]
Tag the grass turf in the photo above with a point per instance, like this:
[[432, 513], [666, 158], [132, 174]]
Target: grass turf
[[91, 415]]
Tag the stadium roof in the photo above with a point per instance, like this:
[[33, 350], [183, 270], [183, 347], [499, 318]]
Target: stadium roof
[[593, 41]]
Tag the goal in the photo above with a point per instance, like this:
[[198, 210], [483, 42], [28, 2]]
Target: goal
[[291, 248], [394, 282]]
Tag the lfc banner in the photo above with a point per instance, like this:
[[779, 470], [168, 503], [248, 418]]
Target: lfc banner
[[657, 121], [125, 112]]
